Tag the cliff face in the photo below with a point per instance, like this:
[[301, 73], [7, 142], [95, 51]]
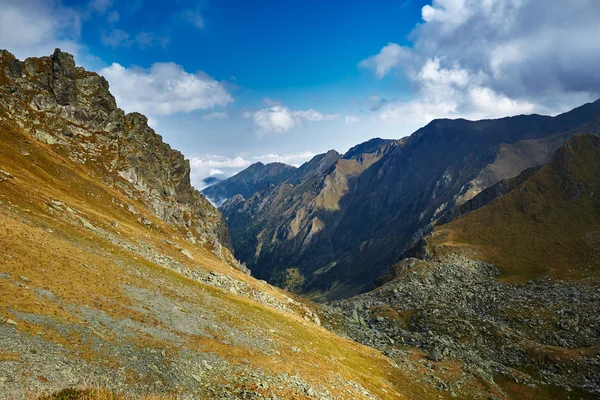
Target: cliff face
[[72, 111]]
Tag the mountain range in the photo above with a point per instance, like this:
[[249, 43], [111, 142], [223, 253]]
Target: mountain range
[[458, 262], [330, 228]]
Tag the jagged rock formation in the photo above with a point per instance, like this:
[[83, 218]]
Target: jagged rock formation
[[530, 318], [72, 111], [332, 235]]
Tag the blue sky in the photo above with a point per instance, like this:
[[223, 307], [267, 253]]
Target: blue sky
[[231, 82]]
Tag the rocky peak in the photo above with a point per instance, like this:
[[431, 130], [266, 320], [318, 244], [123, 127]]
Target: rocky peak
[[72, 110], [63, 78]]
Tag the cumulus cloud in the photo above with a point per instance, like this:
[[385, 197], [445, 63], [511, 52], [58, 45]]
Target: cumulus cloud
[[224, 167], [349, 119], [36, 27], [478, 59], [389, 58], [164, 89], [278, 118]]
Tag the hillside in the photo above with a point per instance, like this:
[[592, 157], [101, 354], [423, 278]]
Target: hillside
[[547, 225], [511, 287], [115, 273], [331, 234]]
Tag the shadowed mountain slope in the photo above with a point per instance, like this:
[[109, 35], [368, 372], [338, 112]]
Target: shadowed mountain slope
[[331, 235], [547, 225], [510, 287]]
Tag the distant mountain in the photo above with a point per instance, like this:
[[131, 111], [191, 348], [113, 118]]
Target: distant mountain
[[249, 181], [332, 232], [211, 180]]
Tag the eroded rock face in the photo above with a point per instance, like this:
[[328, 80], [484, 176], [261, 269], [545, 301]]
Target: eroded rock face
[[72, 110]]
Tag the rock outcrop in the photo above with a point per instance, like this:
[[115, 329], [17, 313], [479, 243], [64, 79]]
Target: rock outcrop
[[72, 111]]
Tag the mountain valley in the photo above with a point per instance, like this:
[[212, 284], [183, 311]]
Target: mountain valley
[[458, 262]]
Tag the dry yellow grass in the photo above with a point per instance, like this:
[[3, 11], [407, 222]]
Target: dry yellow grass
[[542, 228], [98, 393], [53, 250]]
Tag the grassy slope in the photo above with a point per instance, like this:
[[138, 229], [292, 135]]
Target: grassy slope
[[549, 225], [56, 253]]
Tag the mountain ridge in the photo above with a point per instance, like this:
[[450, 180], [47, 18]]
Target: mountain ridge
[[358, 219], [72, 111], [510, 285]]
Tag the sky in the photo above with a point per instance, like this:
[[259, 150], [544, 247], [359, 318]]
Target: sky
[[233, 82]]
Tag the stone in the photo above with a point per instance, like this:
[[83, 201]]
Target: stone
[[24, 278], [11, 322], [435, 354], [187, 254]]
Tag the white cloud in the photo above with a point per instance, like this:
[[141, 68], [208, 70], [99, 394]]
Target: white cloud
[[215, 115], [164, 89], [480, 59], [274, 119], [195, 18], [349, 119], [224, 167], [387, 59], [33, 28], [278, 118]]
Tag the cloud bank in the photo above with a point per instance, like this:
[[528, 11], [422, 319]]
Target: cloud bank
[[33, 28], [492, 58]]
